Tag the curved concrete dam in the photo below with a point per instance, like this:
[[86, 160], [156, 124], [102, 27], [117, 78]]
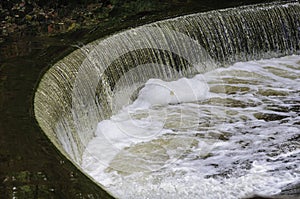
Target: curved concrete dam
[[96, 82]]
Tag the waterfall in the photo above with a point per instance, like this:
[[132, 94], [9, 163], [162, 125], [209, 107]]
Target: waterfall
[[95, 81]]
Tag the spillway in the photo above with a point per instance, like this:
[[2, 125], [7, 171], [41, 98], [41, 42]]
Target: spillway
[[96, 81]]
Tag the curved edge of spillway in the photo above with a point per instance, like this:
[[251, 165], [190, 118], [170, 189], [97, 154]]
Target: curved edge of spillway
[[97, 80]]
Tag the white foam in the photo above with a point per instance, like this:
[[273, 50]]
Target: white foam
[[159, 92]]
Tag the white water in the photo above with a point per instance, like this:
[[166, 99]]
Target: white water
[[228, 133]]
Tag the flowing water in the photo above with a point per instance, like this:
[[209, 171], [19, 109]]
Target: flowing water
[[180, 107], [236, 134]]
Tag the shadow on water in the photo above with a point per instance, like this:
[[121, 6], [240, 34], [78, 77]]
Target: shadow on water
[[30, 166]]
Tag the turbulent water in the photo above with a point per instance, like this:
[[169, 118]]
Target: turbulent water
[[229, 133], [77, 92]]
